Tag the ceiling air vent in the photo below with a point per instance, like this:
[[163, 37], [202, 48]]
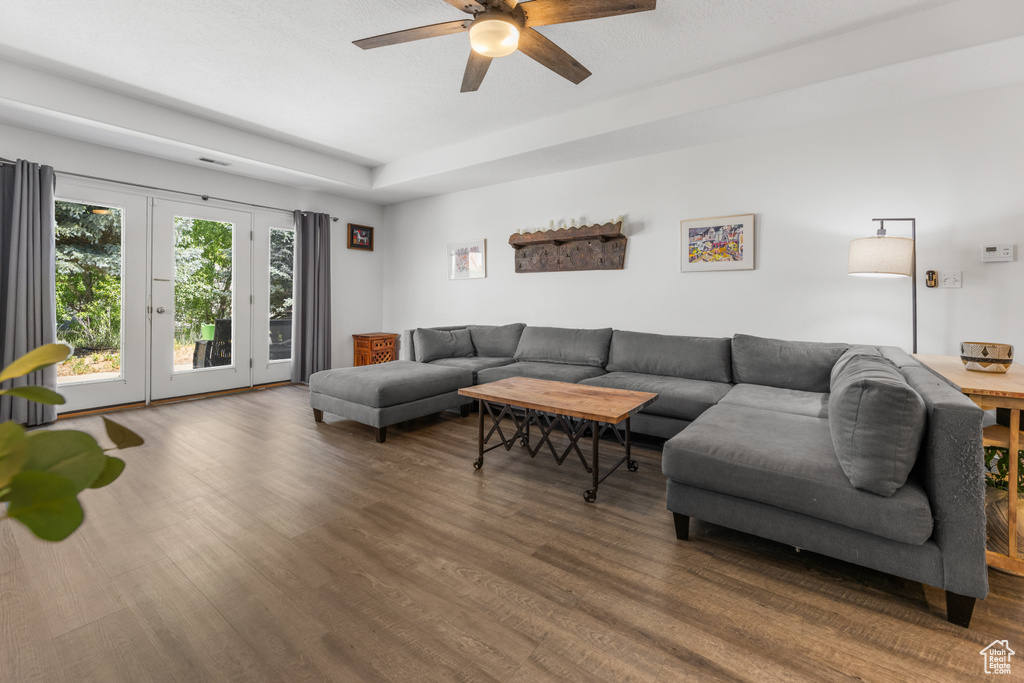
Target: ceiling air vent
[[214, 161]]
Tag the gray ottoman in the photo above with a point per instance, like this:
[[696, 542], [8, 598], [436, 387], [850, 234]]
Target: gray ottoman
[[383, 394]]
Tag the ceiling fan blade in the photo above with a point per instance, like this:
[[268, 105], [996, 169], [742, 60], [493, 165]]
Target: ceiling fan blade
[[467, 6], [432, 31], [547, 12], [510, 4], [476, 69], [537, 47]]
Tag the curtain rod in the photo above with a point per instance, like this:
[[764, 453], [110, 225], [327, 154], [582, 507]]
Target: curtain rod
[[204, 197]]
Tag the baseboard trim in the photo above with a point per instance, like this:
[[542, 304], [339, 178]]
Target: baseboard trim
[[99, 411], [165, 401]]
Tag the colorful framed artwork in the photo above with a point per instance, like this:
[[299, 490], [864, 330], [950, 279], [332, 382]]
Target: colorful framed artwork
[[467, 260], [360, 237], [721, 243]]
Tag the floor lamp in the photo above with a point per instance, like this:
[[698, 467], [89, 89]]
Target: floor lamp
[[884, 256]]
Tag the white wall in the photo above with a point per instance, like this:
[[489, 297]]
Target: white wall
[[957, 165], [356, 277]]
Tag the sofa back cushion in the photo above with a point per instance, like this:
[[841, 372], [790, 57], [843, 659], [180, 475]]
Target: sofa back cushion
[[433, 344], [563, 345], [877, 422], [704, 358], [804, 366], [496, 341]]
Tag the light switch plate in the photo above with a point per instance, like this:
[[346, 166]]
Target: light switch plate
[[951, 279]]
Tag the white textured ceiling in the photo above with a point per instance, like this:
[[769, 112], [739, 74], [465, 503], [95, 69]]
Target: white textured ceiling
[[300, 100]]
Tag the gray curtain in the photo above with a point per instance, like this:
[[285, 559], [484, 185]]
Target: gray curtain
[[28, 316], [311, 309]]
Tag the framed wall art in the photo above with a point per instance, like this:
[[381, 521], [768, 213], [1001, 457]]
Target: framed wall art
[[721, 243], [467, 260], [360, 237]]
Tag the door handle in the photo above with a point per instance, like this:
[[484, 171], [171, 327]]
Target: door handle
[[161, 309]]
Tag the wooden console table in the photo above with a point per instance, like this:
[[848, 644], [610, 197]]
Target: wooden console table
[[370, 349], [993, 390]]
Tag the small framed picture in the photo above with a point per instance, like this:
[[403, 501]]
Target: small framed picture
[[467, 260], [721, 243], [360, 237]]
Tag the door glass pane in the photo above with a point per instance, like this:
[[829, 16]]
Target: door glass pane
[[88, 293], [202, 293], [282, 261]]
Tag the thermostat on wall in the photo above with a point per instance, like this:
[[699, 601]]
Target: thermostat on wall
[[999, 252]]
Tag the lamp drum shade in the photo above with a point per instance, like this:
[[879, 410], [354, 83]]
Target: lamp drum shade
[[881, 257]]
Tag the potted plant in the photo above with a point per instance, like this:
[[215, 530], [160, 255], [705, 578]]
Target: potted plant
[[997, 475], [43, 471]]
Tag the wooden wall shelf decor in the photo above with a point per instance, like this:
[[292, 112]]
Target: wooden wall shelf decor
[[588, 247]]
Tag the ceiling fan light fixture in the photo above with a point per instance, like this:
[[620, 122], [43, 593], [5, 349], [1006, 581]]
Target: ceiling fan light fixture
[[494, 35]]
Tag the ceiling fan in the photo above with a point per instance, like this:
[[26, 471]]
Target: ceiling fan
[[500, 27]]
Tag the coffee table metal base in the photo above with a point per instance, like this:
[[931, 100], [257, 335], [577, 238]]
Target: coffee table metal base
[[547, 423]]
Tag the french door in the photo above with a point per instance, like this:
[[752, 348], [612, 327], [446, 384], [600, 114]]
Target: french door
[[101, 293], [273, 265], [160, 299], [201, 304]]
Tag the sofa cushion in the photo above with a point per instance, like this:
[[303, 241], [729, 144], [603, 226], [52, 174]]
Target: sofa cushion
[[563, 345], [810, 403], [877, 422], [389, 384], [557, 372], [434, 344], [804, 366], [787, 461], [704, 358], [680, 398], [473, 363], [498, 341]]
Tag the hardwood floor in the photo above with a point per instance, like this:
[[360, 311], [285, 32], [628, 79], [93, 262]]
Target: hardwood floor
[[246, 542]]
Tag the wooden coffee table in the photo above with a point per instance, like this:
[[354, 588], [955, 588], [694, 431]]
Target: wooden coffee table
[[574, 409], [993, 390]]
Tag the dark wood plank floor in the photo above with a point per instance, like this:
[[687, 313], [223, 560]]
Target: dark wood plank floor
[[245, 542]]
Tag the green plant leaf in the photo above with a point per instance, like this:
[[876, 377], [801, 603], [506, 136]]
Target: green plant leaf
[[112, 470], [46, 504], [997, 466], [122, 436], [12, 451], [48, 354], [73, 455], [37, 394]]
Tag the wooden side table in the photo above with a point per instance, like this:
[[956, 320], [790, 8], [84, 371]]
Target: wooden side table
[[993, 390], [373, 348]]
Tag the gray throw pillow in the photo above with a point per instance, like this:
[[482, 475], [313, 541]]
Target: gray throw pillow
[[494, 341], [434, 344], [804, 366], [563, 345], [877, 422], [850, 354]]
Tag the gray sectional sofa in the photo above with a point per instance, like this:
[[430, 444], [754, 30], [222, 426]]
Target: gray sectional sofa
[[856, 452]]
